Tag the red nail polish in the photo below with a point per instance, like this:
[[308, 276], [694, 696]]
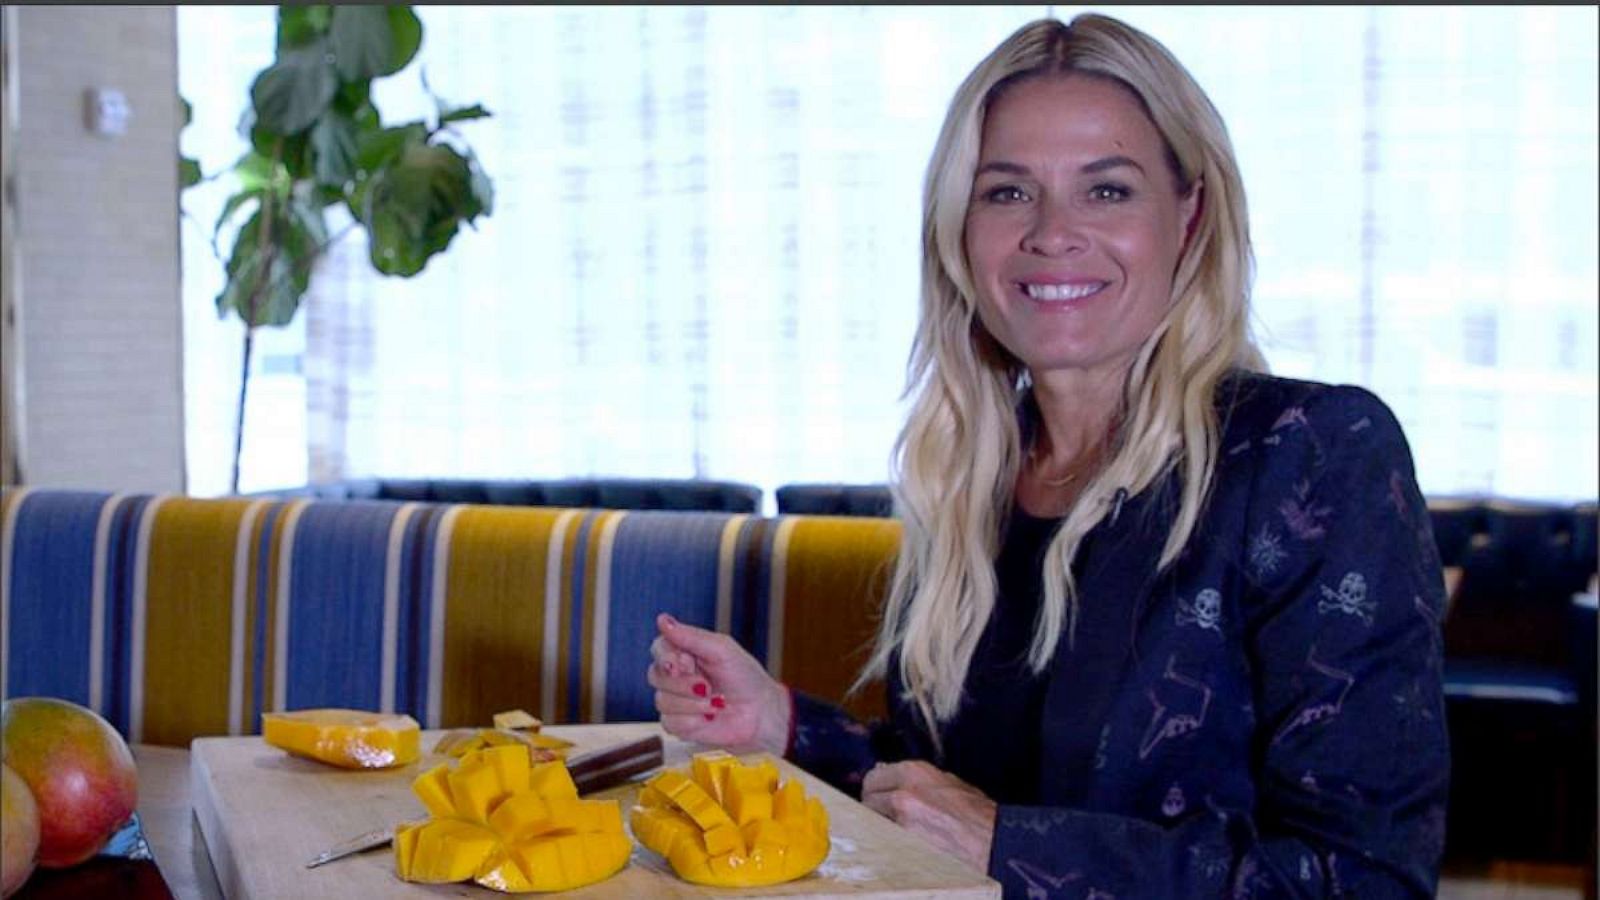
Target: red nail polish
[[700, 689], [710, 716], [718, 702]]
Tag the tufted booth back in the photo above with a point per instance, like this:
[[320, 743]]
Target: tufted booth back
[[1521, 564], [178, 617], [599, 493], [835, 500]]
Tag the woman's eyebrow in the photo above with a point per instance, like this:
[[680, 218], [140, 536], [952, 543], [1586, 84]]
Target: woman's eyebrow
[[1003, 167], [1110, 162], [1100, 165]]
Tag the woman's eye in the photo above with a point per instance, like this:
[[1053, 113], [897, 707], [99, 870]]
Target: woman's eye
[[1007, 193], [1111, 193]]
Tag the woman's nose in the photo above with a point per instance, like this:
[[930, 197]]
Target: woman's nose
[[1055, 230]]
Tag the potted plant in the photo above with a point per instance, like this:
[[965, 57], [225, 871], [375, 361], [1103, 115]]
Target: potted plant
[[317, 141]]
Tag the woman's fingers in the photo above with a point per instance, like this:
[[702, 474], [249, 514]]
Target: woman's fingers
[[954, 815], [671, 660], [697, 642]]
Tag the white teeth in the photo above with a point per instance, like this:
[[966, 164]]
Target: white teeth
[[1061, 291]]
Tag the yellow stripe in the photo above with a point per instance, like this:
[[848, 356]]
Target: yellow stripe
[[10, 502], [835, 573], [189, 619], [494, 618]]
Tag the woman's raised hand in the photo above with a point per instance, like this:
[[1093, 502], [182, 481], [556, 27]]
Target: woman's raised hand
[[709, 690]]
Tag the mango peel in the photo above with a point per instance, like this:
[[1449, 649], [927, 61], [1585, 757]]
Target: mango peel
[[348, 738], [726, 823], [510, 824]]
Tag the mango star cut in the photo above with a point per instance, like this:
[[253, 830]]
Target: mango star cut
[[510, 825], [348, 738], [727, 823]]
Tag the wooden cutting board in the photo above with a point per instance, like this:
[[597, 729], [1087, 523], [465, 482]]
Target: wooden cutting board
[[264, 813]]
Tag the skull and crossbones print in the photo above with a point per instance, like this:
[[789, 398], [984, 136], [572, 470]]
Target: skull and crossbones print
[[1205, 610], [1350, 599]]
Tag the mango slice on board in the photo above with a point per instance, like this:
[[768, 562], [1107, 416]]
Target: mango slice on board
[[348, 738]]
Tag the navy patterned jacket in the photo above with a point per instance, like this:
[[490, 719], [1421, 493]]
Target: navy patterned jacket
[[1263, 719]]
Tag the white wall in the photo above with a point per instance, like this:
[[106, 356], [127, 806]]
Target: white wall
[[98, 375]]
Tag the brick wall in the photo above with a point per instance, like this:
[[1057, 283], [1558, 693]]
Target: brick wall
[[99, 386]]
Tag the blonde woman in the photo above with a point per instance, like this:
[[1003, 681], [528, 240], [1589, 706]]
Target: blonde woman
[[1162, 625]]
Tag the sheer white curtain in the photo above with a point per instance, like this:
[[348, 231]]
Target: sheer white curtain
[[703, 259]]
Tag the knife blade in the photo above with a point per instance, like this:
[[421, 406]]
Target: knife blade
[[592, 771]]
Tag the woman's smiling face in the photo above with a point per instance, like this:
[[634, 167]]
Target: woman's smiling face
[[1075, 225]]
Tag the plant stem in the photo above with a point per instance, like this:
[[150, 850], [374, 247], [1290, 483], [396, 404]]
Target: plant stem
[[268, 252]]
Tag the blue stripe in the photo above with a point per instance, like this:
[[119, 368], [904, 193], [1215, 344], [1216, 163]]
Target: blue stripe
[[411, 626], [263, 575], [122, 548], [660, 562], [52, 571], [752, 578], [761, 592], [335, 639]]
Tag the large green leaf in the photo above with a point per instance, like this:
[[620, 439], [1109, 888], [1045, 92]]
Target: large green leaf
[[370, 41], [259, 272], [361, 41], [333, 145], [272, 266], [353, 95], [188, 172], [290, 94], [292, 151], [416, 206], [377, 149], [299, 25], [406, 29]]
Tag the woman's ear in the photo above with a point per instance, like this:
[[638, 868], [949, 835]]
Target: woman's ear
[[1190, 208]]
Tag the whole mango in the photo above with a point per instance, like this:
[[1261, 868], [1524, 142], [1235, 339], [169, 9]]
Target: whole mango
[[79, 770], [19, 831]]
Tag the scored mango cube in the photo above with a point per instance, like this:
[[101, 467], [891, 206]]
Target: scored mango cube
[[506, 825], [433, 789], [728, 823], [746, 795], [551, 779], [789, 801]]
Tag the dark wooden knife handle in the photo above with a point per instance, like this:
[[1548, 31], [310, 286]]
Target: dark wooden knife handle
[[601, 769]]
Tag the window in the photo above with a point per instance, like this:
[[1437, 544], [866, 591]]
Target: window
[[703, 259]]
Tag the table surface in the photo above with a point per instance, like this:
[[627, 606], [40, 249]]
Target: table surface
[[166, 805]]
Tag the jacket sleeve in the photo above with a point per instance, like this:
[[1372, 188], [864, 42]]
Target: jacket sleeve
[[836, 747], [1341, 627]]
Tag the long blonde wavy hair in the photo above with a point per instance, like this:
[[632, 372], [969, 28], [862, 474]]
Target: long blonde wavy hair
[[957, 459]]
